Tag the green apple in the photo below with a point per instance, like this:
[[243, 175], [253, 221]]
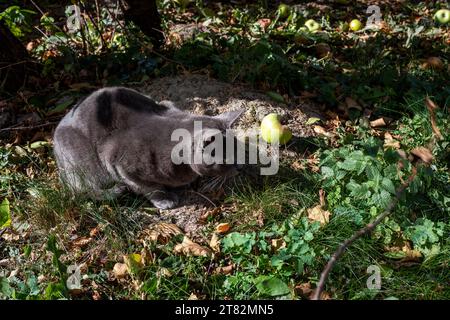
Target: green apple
[[442, 16], [284, 10], [355, 25], [312, 25], [272, 131]]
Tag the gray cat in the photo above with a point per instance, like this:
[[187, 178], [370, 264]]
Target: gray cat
[[118, 139]]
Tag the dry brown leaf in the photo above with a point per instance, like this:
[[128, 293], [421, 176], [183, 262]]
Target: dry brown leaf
[[409, 253], [259, 216], [298, 165], [96, 230], [161, 232], [351, 103], [434, 63], [431, 108], [120, 270], [378, 123], [264, 23], [423, 153], [223, 228], [319, 214], [147, 258], [323, 49], [209, 213], [163, 272], [304, 289], [390, 142], [190, 248], [214, 243], [96, 295], [225, 270], [193, 296], [322, 198], [278, 244], [81, 242], [321, 130]]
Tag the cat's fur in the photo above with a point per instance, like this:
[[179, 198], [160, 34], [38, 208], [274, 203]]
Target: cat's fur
[[118, 139]]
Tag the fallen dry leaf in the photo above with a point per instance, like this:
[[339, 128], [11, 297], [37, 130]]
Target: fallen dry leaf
[[322, 49], [209, 213], [264, 23], [304, 289], [378, 123], [319, 214], [164, 272], [161, 232], [214, 243], [225, 270], [431, 108], [321, 130], [278, 244], [352, 104], [223, 228], [193, 296], [390, 142], [147, 258], [433, 63], [190, 248], [96, 230], [423, 153], [120, 270], [81, 242]]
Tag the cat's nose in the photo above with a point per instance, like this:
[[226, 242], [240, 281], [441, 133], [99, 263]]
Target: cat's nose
[[239, 167]]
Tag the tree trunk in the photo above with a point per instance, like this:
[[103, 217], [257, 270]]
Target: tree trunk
[[144, 14], [14, 59]]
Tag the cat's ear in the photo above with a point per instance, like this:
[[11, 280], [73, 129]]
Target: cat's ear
[[230, 117]]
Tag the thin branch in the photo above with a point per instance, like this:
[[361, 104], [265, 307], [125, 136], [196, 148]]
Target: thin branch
[[29, 127], [367, 229], [20, 62]]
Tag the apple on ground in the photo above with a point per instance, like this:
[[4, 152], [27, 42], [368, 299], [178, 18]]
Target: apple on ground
[[442, 16], [284, 10], [312, 25], [355, 25], [272, 131]]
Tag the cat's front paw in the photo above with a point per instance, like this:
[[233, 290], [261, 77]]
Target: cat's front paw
[[165, 204], [169, 202]]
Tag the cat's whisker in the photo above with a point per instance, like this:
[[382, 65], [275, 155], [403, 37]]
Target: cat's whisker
[[204, 197]]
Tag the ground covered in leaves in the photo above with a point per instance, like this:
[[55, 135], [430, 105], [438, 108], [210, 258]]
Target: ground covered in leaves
[[367, 108]]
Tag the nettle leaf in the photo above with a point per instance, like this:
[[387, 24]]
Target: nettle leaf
[[340, 174], [381, 199], [5, 214], [373, 174], [349, 165], [388, 185], [327, 172], [271, 286], [361, 191]]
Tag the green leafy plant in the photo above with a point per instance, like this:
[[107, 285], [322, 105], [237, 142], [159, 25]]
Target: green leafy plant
[[17, 19]]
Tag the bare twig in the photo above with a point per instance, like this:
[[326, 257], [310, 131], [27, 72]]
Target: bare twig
[[96, 26], [16, 63], [367, 229], [29, 127]]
